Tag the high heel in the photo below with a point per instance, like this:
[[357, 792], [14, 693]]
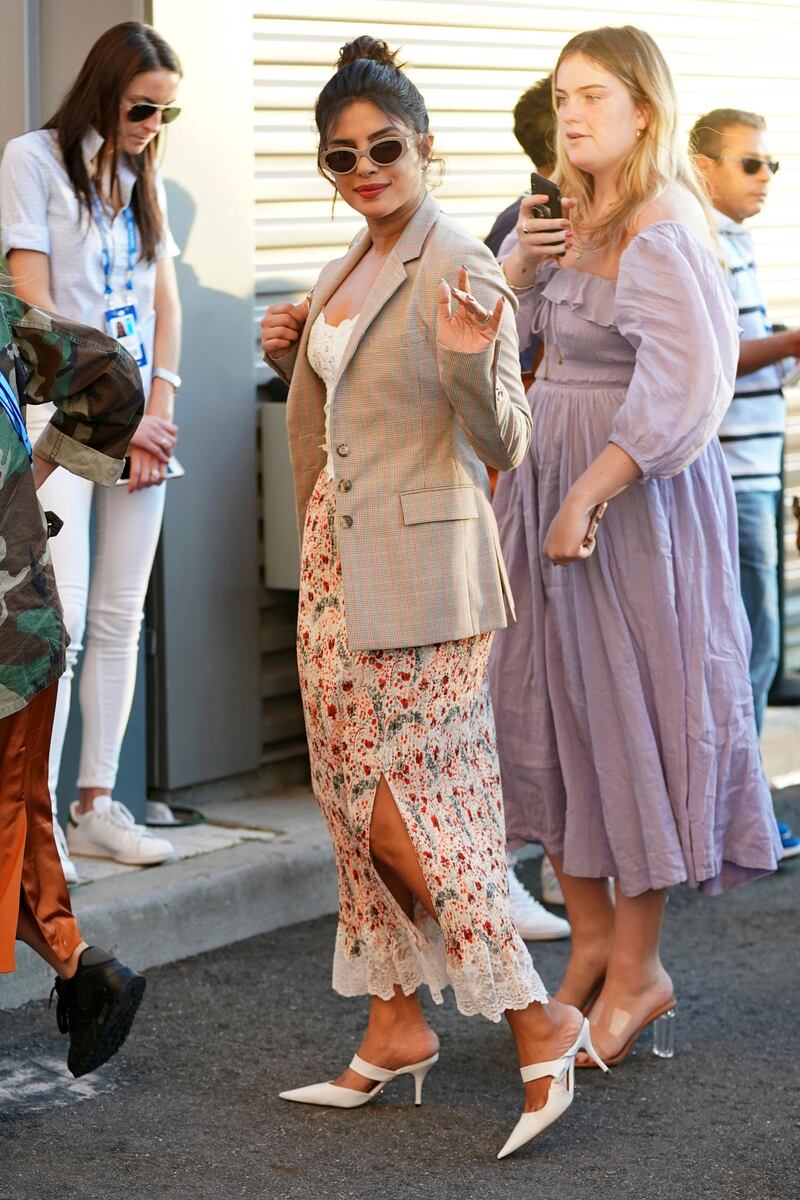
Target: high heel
[[334, 1096], [663, 1021], [664, 1034], [560, 1096]]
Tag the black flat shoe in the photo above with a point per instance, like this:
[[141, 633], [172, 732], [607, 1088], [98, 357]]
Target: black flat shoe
[[96, 1008]]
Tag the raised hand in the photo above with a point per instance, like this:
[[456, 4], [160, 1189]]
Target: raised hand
[[542, 237], [281, 327], [471, 328]]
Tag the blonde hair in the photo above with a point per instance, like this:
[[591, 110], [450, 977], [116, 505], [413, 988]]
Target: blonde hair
[[659, 157]]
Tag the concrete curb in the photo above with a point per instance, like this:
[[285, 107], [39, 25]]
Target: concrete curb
[[172, 912]]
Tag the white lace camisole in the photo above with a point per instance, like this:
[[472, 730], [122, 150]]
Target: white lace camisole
[[326, 346]]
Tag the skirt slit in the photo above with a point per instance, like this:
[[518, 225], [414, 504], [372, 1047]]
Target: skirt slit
[[421, 718]]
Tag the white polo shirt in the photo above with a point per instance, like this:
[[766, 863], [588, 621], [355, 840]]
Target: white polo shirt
[[40, 211]]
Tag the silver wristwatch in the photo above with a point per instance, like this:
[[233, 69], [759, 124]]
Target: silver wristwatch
[[167, 376]]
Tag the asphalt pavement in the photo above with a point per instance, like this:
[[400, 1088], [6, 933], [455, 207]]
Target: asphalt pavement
[[189, 1109]]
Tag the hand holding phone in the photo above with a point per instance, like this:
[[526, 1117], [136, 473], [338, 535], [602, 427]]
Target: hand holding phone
[[598, 512], [540, 235], [173, 470], [552, 211], [541, 186]]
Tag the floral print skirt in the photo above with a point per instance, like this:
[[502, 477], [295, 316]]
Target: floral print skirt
[[422, 718]]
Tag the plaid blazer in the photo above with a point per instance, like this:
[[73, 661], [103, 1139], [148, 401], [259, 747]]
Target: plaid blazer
[[412, 425]]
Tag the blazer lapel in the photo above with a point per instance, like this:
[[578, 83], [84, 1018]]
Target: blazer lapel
[[323, 291], [309, 390], [393, 274]]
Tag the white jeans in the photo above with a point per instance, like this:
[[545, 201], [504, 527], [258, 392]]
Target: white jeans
[[127, 528]]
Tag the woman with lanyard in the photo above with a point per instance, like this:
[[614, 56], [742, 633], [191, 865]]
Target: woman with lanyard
[[85, 233]]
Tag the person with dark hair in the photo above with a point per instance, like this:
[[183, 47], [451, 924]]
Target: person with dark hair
[[534, 129], [731, 151], [85, 232], [396, 402], [94, 389]]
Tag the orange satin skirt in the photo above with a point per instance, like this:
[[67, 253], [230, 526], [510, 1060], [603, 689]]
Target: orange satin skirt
[[30, 869]]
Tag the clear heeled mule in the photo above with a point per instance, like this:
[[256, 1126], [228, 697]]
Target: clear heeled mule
[[664, 1034]]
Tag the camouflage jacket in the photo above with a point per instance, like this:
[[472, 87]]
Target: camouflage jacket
[[96, 388]]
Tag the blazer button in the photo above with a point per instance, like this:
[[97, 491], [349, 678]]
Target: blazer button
[[345, 485], [343, 450], [347, 522]]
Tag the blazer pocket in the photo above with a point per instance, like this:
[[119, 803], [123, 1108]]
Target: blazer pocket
[[439, 504]]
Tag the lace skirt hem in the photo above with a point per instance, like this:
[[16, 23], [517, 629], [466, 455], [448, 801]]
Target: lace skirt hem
[[484, 984]]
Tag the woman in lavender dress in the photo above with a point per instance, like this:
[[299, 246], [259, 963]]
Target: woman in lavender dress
[[624, 714]]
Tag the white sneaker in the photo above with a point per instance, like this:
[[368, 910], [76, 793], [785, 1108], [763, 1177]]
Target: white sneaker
[[534, 923], [551, 888], [109, 831], [67, 865]]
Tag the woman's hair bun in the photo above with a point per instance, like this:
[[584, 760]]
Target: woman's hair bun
[[367, 47]]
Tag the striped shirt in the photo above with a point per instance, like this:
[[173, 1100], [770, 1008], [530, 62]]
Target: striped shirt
[[752, 430]]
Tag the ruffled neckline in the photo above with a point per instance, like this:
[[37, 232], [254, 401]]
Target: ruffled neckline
[[594, 296]]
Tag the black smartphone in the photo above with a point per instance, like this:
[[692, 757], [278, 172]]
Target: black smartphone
[[545, 187], [552, 210]]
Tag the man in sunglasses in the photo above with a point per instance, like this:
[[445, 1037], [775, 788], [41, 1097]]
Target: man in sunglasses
[[731, 151]]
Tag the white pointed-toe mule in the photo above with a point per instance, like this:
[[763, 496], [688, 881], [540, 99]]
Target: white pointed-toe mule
[[560, 1096], [334, 1096]]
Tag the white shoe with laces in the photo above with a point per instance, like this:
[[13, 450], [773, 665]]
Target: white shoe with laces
[[551, 888], [110, 831], [67, 865], [534, 923]]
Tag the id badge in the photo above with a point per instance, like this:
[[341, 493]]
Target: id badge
[[122, 324]]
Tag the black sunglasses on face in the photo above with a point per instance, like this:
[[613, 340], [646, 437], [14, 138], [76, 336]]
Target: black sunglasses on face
[[751, 166], [343, 161], [141, 112]]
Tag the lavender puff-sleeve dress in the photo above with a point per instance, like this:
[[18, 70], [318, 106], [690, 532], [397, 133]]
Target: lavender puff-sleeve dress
[[624, 711]]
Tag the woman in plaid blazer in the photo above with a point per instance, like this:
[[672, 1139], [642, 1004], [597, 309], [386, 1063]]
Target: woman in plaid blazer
[[396, 403]]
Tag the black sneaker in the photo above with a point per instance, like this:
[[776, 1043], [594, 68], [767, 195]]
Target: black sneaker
[[96, 1008]]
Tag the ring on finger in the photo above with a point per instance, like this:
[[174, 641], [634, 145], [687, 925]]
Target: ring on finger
[[479, 312], [482, 317], [525, 227]]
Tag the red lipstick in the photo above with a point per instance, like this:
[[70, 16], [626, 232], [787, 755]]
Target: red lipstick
[[370, 190]]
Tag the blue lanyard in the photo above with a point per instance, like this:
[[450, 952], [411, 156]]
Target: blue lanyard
[[8, 402], [105, 234]]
